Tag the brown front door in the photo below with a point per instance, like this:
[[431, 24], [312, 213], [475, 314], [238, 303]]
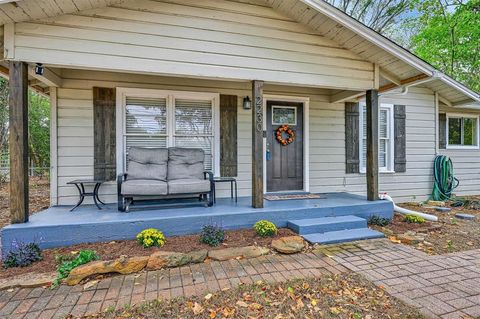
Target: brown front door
[[284, 162]]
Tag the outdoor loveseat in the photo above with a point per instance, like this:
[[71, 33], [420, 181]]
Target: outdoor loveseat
[[164, 173]]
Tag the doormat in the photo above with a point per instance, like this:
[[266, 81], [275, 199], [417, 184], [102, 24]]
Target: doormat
[[293, 196]]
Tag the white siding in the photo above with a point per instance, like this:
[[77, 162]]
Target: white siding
[[327, 134], [215, 38]]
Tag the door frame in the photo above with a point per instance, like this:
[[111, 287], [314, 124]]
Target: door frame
[[306, 136]]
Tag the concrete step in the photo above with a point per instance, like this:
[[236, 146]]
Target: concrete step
[[326, 224], [341, 236]]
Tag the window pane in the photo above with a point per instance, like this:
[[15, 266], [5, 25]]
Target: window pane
[[204, 143], [454, 131], [383, 124], [283, 115], [193, 117], [382, 153], [470, 131], [146, 116]]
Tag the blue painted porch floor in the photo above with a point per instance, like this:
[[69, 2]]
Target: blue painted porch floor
[[57, 226]]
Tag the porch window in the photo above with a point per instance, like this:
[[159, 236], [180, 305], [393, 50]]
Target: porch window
[[462, 131], [385, 138], [166, 119]]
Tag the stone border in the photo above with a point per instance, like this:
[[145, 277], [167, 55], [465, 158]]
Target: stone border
[[166, 259]]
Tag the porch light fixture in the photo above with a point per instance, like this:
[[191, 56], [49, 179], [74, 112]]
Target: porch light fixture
[[39, 69], [247, 103]]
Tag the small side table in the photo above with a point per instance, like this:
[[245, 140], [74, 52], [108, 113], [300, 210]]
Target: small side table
[[232, 182], [80, 185]]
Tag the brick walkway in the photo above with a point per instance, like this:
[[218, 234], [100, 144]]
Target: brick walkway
[[119, 291], [446, 286], [441, 286]]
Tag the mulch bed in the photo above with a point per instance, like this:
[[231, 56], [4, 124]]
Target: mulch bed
[[39, 195], [449, 234], [114, 249], [342, 296]]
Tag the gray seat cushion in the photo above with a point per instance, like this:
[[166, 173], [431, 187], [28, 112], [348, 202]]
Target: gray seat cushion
[[144, 187], [185, 163], [147, 163], [188, 186]]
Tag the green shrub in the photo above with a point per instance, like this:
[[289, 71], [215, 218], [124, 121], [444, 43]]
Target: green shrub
[[414, 219], [265, 228], [84, 256], [151, 237], [22, 255], [212, 235], [378, 221]]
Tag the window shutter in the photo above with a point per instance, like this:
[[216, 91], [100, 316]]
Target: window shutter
[[442, 131], [400, 142], [352, 137], [104, 133], [228, 135]]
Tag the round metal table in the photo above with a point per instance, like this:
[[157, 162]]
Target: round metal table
[[80, 185]]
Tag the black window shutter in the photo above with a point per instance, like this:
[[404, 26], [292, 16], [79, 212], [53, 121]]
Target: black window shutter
[[442, 131], [400, 141], [352, 137], [228, 135], [104, 133]]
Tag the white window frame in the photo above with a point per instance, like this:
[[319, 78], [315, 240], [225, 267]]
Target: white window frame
[[390, 160], [284, 107], [461, 146], [170, 96]]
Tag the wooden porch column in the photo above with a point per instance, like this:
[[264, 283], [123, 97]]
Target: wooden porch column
[[18, 141], [372, 144], [257, 144]]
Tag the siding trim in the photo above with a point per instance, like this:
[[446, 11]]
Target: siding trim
[[306, 137]]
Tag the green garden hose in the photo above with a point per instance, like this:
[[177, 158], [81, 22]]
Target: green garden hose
[[445, 182]]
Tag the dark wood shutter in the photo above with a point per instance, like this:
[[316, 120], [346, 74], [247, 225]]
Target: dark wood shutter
[[228, 135], [442, 131], [400, 141], [104, 133], [352, 137]]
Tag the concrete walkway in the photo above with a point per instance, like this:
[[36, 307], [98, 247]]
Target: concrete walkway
[[446, 286], [441, 286]]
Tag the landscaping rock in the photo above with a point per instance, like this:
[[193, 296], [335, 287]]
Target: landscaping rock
[[238, 252], [411, 238], [123, 265], [164, 259], [28, 281], [387, 232], [288, 245], [465, 216], [436, 203], [198, 256]]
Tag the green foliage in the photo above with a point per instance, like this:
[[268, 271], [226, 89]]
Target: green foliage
[[85, 256], [265, 228], [378, 220], [151, 237], [414, 219], [61, 258], [448, 37], [212, 235], [23, 255], [39, 129]]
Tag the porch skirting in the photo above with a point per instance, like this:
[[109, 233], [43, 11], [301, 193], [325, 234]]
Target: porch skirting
[[57, 226]]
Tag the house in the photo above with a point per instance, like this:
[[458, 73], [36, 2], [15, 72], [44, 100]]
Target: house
[[368, 116]]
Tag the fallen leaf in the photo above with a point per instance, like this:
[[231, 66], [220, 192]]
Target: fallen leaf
[[242, 304], [208, 296], [212, 314], [90, 284], [197, 309]]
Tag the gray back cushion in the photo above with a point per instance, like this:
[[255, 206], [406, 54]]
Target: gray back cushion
[[147, 163], [185, 163]]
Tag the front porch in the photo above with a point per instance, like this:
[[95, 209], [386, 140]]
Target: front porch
[[57, 226]]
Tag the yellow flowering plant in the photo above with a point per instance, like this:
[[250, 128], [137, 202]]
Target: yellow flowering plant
[[265, 228], [151, 237]]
